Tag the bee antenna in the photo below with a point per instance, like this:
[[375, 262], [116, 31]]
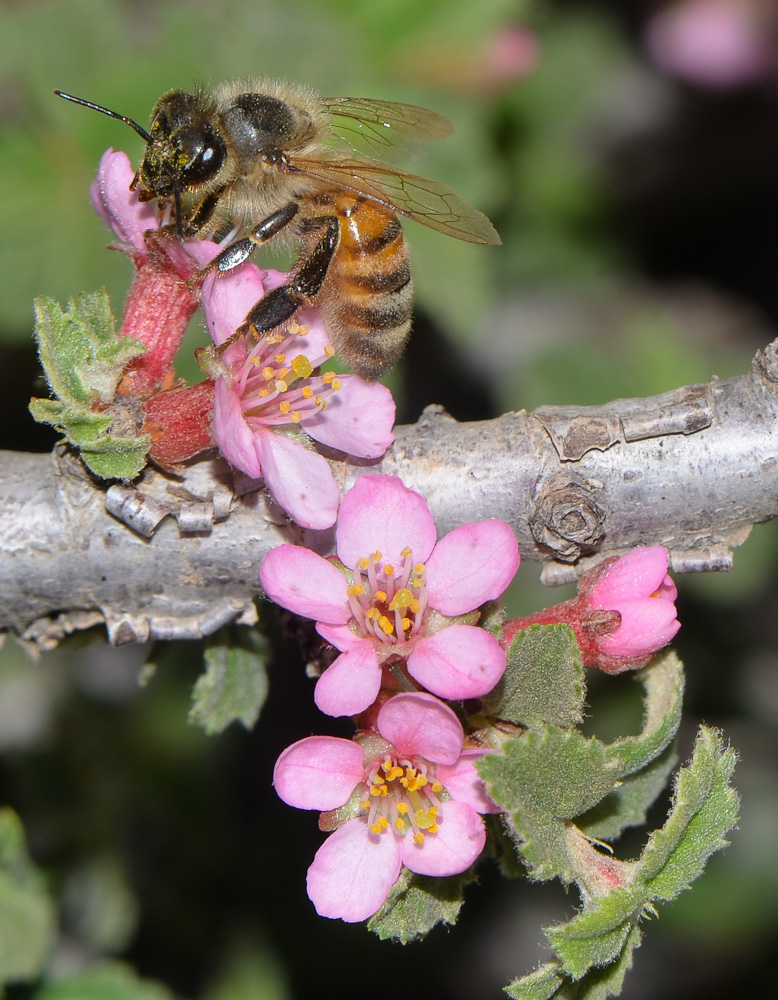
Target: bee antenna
[[111, 114]]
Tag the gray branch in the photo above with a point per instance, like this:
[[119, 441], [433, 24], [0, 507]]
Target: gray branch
[[691, 469]]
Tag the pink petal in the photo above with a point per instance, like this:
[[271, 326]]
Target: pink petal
[[117, 205], [646, 625], [358, 419], [233, 436], [317, 339], [463, 782], [228, 297], [189, 256], [303, 582], [460, 839], [319, 772], [470, 565], [350, 684], [417, 723], [339, 636], [461, 661], [380, 514], [353, 872], [637, 574], [272, 279], [300, 480]]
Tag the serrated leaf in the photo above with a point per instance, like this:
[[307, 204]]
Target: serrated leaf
[[663, 682], [549, 983], [543, 682], [628, 804], [417, 903], [26, 912], [82, 356], [704, 810], [596, 936], [105, 981], [543, 779], [234, 686]]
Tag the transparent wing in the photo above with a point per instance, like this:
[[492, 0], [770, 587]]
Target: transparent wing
[[377, 128], [429, 202]]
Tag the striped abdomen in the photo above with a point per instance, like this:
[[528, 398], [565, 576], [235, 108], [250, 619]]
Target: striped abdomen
[[368, 295]]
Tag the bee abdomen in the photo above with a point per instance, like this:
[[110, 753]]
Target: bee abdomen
[[369, 313]]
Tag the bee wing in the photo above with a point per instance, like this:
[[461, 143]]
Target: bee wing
[[376, 128], [429, 202]]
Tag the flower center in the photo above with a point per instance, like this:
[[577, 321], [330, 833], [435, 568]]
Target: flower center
[[276, 384], [403, 796], [388, 602]]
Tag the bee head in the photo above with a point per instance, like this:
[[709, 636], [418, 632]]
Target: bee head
[[184, 151]]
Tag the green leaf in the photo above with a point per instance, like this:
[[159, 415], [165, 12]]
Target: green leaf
[[549, 982], [81, 354], [628, 804], [705, 809], [106, 981], [234, 686], [26, 912], [543, 682], [597, 936], [663, 682], [417, 903], [542, 779], [84, 359]]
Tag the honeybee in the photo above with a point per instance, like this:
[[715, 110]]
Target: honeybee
[[278, 162]]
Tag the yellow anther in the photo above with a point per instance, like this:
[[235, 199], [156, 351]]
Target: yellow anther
[[337, 384], [402, 808], [363, 563], [419, 837], [406, 552], [284, 406], [280, 385], [415, 607], [329, 350], [365, 803], [280, 358], [402, 599], [302, 367], [282, 372], [295, 416], [386, 625], [373, 614], [380, 825], [306, 392], [437, 787], [264, 392], [419, 569], [379, 595], [388, 570], [399, 824], [405, 624], [268, 373], [355, 590], [327, 377], [376, 557], [433, 828]]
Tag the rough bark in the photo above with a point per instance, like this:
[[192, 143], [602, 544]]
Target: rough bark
[[692, 469]]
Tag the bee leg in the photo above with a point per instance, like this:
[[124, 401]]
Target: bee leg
[[282, 303]]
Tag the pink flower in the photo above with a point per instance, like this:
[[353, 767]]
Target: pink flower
[[393, 603], [637, 586], [419, 803], [715, 43], [624, 612], [268, 389]]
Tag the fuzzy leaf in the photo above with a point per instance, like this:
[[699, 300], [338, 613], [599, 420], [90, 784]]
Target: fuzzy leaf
[[26, 912], [705, 809], [628, 804], [596, 936], [105, 981], [417, 903], [542, 779], [81, 354], [663, 682], [543, 682], [234, 686], [548, 982], [84, 359]]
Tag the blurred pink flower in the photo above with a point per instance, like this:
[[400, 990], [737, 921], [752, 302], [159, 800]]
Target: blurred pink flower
[[267, 389], [419, 806], [715, 43], [624, 612], [394, 600]]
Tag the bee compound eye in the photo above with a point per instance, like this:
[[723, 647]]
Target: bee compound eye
[[205, 158]]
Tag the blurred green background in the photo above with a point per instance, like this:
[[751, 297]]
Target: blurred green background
[[636, 197]]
